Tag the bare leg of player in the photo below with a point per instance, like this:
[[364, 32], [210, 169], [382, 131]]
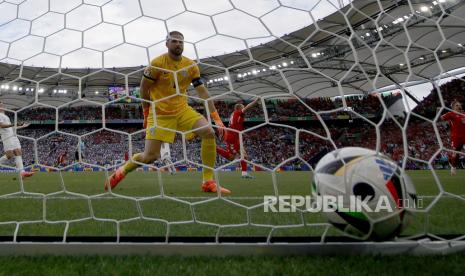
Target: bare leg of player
[[453, 164], [244, 172]]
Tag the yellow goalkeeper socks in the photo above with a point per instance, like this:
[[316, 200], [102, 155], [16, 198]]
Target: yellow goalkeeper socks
[[131, 165], [208, 157]]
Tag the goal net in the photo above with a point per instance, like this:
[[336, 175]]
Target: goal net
[[327, 74]]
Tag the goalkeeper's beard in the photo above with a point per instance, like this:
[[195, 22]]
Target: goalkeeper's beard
[[176, 52]]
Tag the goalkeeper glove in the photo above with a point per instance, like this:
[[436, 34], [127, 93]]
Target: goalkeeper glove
[[216, 117], [146, 111]]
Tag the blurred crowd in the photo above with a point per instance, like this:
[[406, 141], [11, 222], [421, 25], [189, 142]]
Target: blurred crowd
[[268, 145], [450, 91], [277, 109]]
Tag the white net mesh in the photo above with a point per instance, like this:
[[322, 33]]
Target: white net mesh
[[72, 69]]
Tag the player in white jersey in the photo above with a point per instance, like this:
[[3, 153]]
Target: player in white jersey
[[76, 153], [11, 145], [165, 157]]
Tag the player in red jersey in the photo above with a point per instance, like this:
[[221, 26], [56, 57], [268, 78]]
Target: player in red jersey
[[61, 160], [456, 119], [126, 156], [236, 122]]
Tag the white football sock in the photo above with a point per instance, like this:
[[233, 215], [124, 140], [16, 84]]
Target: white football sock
[[19, 163], [3, 159]]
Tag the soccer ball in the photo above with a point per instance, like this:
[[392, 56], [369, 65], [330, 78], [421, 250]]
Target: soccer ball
[[374, 197]]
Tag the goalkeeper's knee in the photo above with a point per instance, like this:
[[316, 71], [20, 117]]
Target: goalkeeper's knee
[[207, 133], [147, 158]]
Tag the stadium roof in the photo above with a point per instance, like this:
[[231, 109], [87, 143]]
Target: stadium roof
[[363, 47]]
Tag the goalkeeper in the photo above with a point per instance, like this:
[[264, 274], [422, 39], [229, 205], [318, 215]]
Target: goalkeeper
[[172, 111]]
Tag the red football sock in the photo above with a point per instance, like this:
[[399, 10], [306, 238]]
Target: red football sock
[[226, 154], [453, 159], [243, 166]]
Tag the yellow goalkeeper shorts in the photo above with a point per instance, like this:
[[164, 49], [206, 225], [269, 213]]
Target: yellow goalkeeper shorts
[[183, 121]]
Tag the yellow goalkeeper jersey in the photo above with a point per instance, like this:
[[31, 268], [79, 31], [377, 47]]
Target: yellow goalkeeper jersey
[[165, 82]]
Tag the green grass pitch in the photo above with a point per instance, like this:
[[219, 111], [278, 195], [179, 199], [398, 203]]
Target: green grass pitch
[[84, 198], [289, 265], [50, 200]]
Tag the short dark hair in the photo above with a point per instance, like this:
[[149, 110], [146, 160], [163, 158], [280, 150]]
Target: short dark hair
[[173, 33]]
